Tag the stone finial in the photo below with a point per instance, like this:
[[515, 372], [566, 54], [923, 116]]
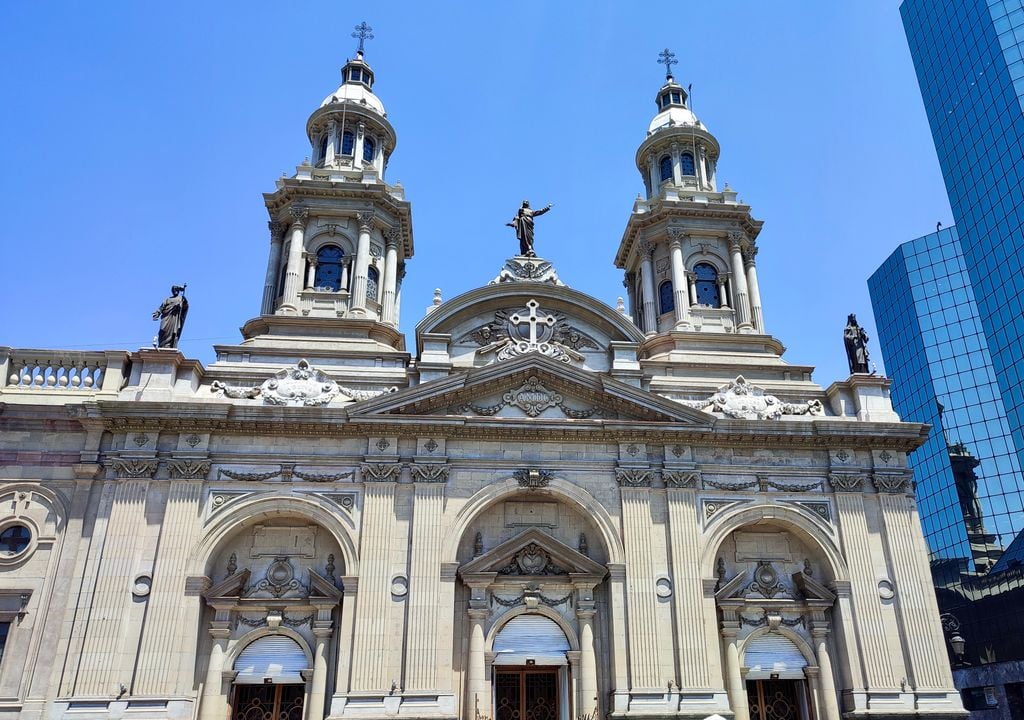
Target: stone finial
[[437, 297], [620, 306]]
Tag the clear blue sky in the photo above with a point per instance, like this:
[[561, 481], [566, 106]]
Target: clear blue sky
[[138, 137]]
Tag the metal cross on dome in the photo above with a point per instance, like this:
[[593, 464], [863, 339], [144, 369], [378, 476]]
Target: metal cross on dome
[[363, 32], [667, 58]]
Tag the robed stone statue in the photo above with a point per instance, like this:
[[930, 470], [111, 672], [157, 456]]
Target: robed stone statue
[[171, 315], [522, 223], [856, 341]]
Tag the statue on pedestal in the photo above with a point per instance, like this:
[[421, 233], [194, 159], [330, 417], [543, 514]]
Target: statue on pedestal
[[171, 315], [856, 341], [522, 223]]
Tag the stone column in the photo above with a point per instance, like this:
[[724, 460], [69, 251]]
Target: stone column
[[213, 706], [310, 271], [698, 167], [742, 304], [811, 673], [293, 273], [373, 646], [691, 282], [357, 303], [652, 169], [723, 298], [916, 607], [588, 664], [829, 704], [345, 646], [476, 682], [346, 266], [677, 174], [647, 271], [332, 138], [629, 282], [394, 237], [357, 148], [679, 281], [869, 632], [641, 602], [273, 267], [755, 293], [733, 676], [318, 691]]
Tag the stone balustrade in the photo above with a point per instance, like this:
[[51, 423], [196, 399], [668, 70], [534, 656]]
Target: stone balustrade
[[60, 371]]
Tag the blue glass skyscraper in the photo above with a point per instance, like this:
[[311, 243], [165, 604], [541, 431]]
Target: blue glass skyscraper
[[969, 63], [970, 489]]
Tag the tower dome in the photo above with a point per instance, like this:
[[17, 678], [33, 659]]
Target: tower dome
[[350, 129], [679, 154]]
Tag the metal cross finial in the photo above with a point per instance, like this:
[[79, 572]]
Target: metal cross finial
[[667, 58], [364, 32]]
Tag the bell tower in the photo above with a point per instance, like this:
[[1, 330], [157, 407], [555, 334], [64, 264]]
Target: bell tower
[[339, 233], [688, 250]]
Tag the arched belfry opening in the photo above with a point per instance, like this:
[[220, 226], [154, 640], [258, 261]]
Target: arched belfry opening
[[272, 610], [774, 592], [531, 610]]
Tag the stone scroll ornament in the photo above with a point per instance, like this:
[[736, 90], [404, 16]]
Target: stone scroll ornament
[[302, 385], [739, 399], [531, 329]]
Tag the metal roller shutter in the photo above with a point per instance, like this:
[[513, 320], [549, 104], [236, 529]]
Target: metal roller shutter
[[530, 637], [276, 657], [774, 654]]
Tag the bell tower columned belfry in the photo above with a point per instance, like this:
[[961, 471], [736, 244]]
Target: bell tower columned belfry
[[689, 249], [340, 234]]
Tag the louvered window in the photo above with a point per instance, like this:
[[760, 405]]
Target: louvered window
[[530, 637], [773, 654], [276, 657]]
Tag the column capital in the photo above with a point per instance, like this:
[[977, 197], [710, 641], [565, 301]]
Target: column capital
[[365, 220], [393, 238], [736, 238], [478, 614], [299, 214], [585, 615], [646, 248], [276, 230], [749, 253]]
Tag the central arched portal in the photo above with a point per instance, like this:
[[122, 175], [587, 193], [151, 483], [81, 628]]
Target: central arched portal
[[531, 670]]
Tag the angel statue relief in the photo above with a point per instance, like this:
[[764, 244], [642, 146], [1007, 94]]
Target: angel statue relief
[[522, 223]]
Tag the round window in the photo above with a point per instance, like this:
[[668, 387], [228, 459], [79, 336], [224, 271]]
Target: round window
[[14, 539]]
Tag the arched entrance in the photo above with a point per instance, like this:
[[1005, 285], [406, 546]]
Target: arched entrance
[[269, 680], [775, 677], [531, 674]]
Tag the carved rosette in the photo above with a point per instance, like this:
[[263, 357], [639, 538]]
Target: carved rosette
[[134, 468], [533, 478], [188, 469], [891, 482], [633, 477], [430, 473], [380, 472], [846, 482], [681, 478]]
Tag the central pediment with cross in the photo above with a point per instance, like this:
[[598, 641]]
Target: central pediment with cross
[[533, 387]]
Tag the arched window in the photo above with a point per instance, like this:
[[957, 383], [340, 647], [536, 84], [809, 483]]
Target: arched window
[[328, 267], [686, 163], [348, 143], [372, 281], [369, 148], [666, 300], [665, 166], [707, 285], [323, 149]]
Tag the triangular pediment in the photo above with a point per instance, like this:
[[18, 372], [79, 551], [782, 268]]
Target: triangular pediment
[[231, 586], [533, 387], [533, 554]]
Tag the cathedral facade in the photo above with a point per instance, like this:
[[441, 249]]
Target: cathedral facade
[[547, 509]]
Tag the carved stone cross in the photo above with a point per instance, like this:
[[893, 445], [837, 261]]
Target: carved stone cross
[[533, 320]]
